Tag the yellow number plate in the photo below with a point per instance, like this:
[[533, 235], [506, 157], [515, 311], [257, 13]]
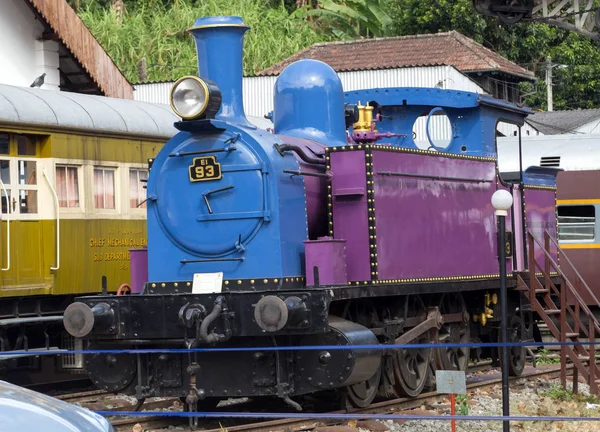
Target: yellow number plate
[[204, 169]]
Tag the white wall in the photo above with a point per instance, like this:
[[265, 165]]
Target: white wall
[[22, 57], [258, 94], [589, 128], [258, 91]]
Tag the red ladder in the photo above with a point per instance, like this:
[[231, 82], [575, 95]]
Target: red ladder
[[541, 292]]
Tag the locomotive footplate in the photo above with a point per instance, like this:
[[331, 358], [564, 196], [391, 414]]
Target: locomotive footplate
[[199, 318]]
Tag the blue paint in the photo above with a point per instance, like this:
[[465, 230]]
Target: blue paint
[[220, 348], [541, 176], [249, 221], [359, 416], [473, 117], [309, 103], [219, 43]]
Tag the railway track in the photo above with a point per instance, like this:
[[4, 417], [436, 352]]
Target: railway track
[[158, 423]]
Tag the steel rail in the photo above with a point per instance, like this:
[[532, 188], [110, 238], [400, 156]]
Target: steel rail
[[156, 423]]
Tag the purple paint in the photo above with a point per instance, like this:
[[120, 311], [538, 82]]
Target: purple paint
[[509, 228], [329, 256], [372, 136], [518, 231], [350, 212], [138, 262], [431, 228], [540, 216]]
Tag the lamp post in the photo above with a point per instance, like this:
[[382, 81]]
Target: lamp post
[[502, 200]]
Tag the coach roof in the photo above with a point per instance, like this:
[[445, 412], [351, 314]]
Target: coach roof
[[98, 114]]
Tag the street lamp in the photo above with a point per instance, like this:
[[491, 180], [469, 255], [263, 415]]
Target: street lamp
[[502, 200]]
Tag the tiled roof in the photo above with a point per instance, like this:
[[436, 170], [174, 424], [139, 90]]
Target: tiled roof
[[561, 122], [448, 49]]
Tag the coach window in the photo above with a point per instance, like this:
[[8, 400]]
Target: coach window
[[67, 186], [104, 188], [137, 193], [19, 172], [4, 143], [576, 222]]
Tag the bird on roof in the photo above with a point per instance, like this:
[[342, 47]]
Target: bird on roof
[[39, 81]]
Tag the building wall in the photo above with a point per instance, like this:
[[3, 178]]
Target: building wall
[[22, 57], [258, 93], [589, 128]]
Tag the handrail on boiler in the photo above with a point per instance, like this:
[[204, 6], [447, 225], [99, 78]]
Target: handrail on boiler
[[7, 226], [57, 221]]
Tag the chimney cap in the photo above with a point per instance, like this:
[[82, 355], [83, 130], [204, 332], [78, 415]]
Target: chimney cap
[[218, 21]]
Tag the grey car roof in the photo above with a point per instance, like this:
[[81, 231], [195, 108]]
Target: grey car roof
[[25, 410], [75, 111]]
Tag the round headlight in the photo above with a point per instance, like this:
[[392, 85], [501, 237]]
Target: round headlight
[[192, 97]]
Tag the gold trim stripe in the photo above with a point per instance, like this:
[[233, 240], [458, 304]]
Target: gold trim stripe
[[578, 201], [580, 246], [409, 150], [552, 188]]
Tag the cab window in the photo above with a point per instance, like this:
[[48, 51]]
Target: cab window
[[576, 222]]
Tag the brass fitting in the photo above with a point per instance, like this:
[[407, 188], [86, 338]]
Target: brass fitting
[[365, 118], [487, 312]]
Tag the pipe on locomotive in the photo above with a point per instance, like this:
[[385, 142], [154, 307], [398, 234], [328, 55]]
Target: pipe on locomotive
[[219, 47]]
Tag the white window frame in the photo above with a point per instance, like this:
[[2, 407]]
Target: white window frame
[[117, 187], [140, 185], [14, 187], [61, 163]]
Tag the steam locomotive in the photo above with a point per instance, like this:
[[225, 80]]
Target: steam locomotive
[[335, 229]]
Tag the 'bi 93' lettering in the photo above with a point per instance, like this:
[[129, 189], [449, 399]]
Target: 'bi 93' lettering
[[204, 169]]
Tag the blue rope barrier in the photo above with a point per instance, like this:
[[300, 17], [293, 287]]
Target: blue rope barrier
[[299, 348], [342, 416]]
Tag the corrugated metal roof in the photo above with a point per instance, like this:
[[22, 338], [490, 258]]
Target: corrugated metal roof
[[33, 106], [447, 49], [560, 122]]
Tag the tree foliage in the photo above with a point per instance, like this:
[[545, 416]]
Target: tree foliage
[[527, 44], [149, 36], [352, 18], [154, 33]]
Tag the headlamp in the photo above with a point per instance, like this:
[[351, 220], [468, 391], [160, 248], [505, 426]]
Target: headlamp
[[192, 97]]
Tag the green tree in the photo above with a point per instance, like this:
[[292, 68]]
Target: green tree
[[351, 18], [525, 43]]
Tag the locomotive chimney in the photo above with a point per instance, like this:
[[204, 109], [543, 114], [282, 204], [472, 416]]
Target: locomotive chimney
[[219, 46]]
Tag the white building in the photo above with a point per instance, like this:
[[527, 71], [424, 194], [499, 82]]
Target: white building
[[444, 60], [47, 37], [572, 122]]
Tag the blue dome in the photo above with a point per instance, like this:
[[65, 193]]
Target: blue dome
[[309, 103]]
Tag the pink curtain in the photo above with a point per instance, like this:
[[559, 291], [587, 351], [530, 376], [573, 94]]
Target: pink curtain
[[98, 188], [61, 186], [133, 188], [109, 189], [67, 186]]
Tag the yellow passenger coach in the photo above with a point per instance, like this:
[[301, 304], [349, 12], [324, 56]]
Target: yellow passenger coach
[[72, 171]]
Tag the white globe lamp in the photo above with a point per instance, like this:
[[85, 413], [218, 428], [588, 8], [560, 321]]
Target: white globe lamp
[[502, 200]]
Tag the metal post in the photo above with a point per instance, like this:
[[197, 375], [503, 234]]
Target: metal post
[[504, 325], [502, 200], [549, 82]]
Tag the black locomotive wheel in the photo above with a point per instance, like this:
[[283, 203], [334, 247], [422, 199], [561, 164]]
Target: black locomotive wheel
[[453, 333], [362, 394], [517, 357], [411, 366]]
